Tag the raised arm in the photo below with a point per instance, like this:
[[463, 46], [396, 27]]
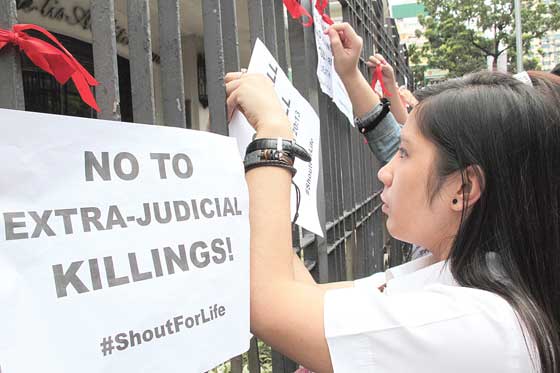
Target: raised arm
[[388, 76], [285, 313], [346, 45]]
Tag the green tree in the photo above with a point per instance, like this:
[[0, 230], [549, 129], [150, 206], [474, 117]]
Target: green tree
[[416, 64], [462, 33]]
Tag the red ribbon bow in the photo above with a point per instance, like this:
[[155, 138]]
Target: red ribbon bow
[[55, 61], [320, 5], [298, 11], [378, 77]]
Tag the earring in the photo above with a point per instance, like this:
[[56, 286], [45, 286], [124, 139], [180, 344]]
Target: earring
[[455, 201]]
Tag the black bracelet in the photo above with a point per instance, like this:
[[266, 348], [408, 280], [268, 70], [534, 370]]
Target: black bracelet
[[279, 144], [370, 121], [276, 153], [269, 155], [250, 166]]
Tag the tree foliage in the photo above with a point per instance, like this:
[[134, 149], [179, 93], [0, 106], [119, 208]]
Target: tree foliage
[[462, 33]]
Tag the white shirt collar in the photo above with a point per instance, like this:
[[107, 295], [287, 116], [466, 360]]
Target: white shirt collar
[[417, 274]]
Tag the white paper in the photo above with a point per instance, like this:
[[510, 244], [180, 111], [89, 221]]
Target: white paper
[[524, 78], [80, 264], [305, 125], [329, 80]]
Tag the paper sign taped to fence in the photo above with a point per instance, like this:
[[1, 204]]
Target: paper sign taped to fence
[[305, 126], [329, 80], [124, 247]]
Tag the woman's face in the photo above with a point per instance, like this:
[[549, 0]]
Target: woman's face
[[411, 216]]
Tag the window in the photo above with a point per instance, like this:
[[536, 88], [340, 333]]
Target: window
[[45, 95]]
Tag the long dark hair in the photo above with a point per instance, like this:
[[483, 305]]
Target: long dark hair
[[510, 133]]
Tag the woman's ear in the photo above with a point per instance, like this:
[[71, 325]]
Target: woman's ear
[[470, 189]]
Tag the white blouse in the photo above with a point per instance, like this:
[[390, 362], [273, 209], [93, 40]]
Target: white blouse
[[423, 322]]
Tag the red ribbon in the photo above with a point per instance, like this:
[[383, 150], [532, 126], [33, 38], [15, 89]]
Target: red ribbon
[[55, 61], [298, 11], [378, 77], [320, 5]]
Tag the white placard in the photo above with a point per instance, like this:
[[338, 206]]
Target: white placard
[[123, 247], [329, 80], [305, 125]]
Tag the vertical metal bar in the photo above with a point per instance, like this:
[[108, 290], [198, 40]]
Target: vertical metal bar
[[172, 81], [140, 58], [281, 34], [281, 364], [256, 22], [297, 55], [229, 35], [329, 153], [326, 122], [310, 51], [347, 171], [11, 81], [105, 59], [518, 38], [270, 26], [321, 242], [215, 69], [253, 356], [237, 364], [337, 180]]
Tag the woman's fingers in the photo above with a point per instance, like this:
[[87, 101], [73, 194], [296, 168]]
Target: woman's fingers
[[231, 104], [372, 62], [380, 58], [232, 86], [233, 76], [337, 44], [254, 96], [233, 82], [345, 28], [346, 34]]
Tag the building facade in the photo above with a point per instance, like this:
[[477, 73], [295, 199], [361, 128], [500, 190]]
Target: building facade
[[547, 50], [71, 21]]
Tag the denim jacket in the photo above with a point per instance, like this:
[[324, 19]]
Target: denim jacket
[[384, 140]]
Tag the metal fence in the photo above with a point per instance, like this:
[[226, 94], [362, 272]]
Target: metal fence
[[356, 243]]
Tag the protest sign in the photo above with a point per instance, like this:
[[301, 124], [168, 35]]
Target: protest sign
[[123, 247], [329, 80], [305, 126]]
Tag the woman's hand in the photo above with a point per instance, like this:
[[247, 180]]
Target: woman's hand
[[346, 47], [388, 74], [254, 96]]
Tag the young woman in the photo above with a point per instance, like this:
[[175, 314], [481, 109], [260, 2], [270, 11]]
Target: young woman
[[476, 180]]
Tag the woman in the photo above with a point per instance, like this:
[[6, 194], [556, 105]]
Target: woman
[[477, 180]]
